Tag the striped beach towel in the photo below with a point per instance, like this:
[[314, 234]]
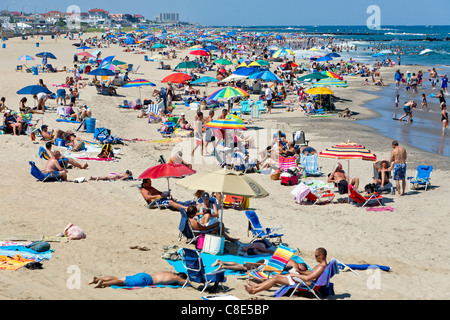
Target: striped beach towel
[[287, 163]]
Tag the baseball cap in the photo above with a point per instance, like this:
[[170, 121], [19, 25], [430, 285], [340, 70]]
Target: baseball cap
[[205, 196]]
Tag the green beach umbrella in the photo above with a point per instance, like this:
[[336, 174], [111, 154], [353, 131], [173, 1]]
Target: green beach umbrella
[[312, 76], [223, 62], [187, 65]]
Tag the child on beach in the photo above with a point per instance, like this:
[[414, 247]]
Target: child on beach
[[444, 82], [424, 102], [397, 100]]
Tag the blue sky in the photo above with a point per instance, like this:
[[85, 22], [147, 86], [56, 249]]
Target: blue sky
[[262, 12]]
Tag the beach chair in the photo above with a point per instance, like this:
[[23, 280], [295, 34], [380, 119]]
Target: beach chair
[[310, 165], [320, 196], [236, 202], [389, 187], [261, 107], [192, 261], [422, 177], [245, 107], [186, 230], [321, 287], [19, 68], [276, 264], [299, 139], [43, 177], [28, 68], [373, 199], [260, 233]]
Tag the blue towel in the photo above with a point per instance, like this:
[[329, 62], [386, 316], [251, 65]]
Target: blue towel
[[66, 120], [209, 259], [26, 253], [364, 266]]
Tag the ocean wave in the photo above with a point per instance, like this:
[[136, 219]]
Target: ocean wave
[[408, 34], [428, 51]]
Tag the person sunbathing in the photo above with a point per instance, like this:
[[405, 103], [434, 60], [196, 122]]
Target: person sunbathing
[[53, 166], [207, 210], [75, 142], [114, 176], [184, 124], [383, 173], [191, 212], [282, 279], [13, 122], [63, 161], [141, 280]]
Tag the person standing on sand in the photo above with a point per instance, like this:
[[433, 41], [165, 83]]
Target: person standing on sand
[[434, 78], [444, 118], [398, 160]]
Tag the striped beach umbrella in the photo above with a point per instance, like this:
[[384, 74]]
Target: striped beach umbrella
[[331, 74], [138, 83], [26, 58], [227, 93], [225, 124], [283, 52], [349, 151], [331, 82]]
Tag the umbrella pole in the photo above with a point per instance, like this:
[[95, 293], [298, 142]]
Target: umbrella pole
[[221, 216]]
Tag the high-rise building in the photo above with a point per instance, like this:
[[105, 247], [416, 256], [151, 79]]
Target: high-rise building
[[169, 17]]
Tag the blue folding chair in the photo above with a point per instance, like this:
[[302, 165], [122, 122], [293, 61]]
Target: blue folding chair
[[44, 177], [422, 177], [195, 270], [245, 107], [310, 165], [254, 225]]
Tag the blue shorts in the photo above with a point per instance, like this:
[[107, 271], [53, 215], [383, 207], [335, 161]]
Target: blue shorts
[[139, 280], [407, 109], [399, 171], [61, 93]]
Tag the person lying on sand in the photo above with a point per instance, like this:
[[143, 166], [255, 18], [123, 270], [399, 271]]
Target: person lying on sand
[[64, 162], [114, 176], [141, 280]]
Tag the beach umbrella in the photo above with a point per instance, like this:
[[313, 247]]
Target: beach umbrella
[[203, 53], [331, 74], [263, 63], [187, 65], [349, 151], [234, 117], [86, 54], [334, 55], [34, 89], [106, 61], [319, 90], [139, 83], [225, 124], [224, 62], [312, 76], [118, 63], [178, 77], [205, 79], [283, 52], [129, 41], [227, 93], [324, 58], [102, 72], [46, 54], [84, 48], [331, 82], [167, 170], [226, 182], [26, 58], [158, 46], [265, 75], [245, 71]]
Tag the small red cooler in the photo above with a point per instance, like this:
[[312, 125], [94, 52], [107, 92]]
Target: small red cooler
[[289, 180]]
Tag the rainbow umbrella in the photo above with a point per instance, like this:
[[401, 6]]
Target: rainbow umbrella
[[225, 124], [331, 82], [235, 118], [139, 83], [228, 92], [331, 74]]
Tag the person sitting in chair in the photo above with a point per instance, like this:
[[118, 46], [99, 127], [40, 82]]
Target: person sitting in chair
[[53, 166], [383, 173], [339, 177], [152, 194]]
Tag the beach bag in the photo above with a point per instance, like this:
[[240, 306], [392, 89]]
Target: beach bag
[[107, 151], [245, 204], [101, 134], [200, 241], [74, 232], [275, 175], [213, 244]]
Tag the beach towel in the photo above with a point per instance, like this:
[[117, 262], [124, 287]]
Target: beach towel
[[363, 267], [95, 159], [39, 256], [67, 120], [300, 192], [381, 209], [152, 286], [13, 263]]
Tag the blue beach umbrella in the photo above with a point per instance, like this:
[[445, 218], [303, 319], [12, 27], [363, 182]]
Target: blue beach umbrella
[[34, 89], [265, 75], [84, 48], [101, 72], [46, 54], [205, 79], [244, 71], [324, 58]]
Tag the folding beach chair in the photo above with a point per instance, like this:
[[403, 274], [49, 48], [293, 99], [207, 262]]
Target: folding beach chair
[[422, 178], [275, 265], [310, 165], [261, 107], [388, 186], [321, 196], [299, 139], [235, 202], [43, 177], [322, 284], [373, 199], [245, 107], [192, 261], [186, 230], [260, 233]]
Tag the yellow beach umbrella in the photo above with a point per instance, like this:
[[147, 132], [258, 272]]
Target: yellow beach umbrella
[[319, 90]]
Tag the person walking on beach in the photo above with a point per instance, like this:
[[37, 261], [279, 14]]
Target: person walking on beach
[[408, 110], [444, 81], [434, 78], [398, 165], [398, 78], [444, 118], [268, 97]]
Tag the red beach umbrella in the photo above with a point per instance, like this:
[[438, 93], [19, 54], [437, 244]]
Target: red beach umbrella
[[200, 53], [178, 77], [167, 170]]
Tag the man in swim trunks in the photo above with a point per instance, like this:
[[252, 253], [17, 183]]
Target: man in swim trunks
[[398, 164], [408, 110], [141, 280], [151, 195], [434, 78], [53, 166], [183, 123], [283, 279], [339, 177]]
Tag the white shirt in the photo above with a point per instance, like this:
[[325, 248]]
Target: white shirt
[[268, 94]]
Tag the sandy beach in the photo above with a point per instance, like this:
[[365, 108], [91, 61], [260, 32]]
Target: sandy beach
[[412, 240]]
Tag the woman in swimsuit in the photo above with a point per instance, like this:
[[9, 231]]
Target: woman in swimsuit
[[114, 176], [424, 102], [208, 212], [444, 118]]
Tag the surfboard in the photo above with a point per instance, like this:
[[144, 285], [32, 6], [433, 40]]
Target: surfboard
[[406, 120]]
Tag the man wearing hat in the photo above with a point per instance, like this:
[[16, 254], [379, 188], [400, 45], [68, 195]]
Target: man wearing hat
[[178, 159], [47, 136], [183, 123], [11, 121]]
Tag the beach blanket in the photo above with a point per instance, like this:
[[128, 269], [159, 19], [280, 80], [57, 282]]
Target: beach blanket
[[13, 243], [209, 259], [152, 286], [166, 140], [364, 267], [13, 263], [67, 120], [389, 208], [95, 159], [26, 253]]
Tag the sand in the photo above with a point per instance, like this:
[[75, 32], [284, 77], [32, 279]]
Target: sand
[[412, 240]]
